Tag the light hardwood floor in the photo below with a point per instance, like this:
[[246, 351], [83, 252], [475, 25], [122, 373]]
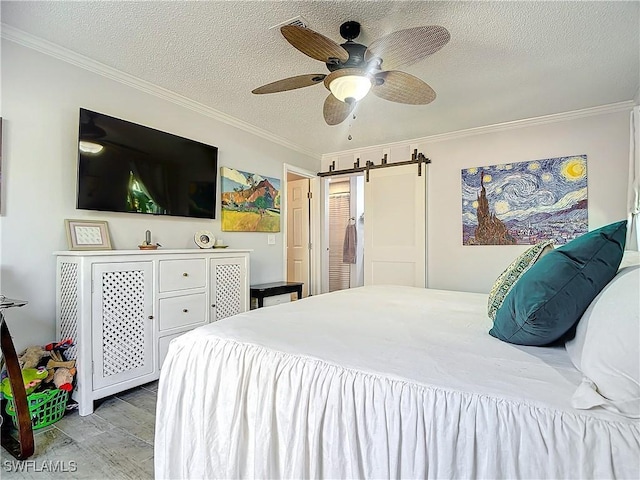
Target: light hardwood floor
[[115, 442]]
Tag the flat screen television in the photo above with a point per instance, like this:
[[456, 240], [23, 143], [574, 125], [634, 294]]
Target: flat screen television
[[125, 167]]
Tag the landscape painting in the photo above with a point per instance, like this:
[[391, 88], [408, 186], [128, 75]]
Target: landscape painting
[[524, 203], [250, 202]]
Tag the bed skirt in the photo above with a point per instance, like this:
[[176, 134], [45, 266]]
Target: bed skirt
[[257, 413]]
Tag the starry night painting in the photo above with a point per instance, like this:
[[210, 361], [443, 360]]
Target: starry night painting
[[525, 203]]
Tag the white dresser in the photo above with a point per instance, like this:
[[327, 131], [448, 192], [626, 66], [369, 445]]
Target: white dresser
[[123, 307]]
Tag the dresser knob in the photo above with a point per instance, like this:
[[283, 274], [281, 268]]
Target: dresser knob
[[185, 274], [185, 310], [150, 317], [213, 306]]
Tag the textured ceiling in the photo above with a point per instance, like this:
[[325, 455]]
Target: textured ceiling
[[505, 61]]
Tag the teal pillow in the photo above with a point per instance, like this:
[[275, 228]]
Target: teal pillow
[[552, 295]]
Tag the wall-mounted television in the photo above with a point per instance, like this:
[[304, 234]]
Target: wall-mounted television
[[125, 167]]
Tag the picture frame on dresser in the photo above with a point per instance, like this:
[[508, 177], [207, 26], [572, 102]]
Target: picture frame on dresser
[[88, 234]]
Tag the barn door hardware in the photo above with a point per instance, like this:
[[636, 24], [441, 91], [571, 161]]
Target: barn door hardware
[[416, 159]]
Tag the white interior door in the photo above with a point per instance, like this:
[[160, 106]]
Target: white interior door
[[298, 233], [395, 233]]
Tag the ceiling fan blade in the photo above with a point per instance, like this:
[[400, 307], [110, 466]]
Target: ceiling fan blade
[[401, 87], [405, 47], [290, 83], [335, 111], [313, 44]]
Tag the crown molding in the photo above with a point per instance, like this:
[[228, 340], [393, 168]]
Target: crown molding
[[48, 48], [499, 127]]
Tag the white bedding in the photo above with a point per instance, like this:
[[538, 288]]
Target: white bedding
[[378, 382]]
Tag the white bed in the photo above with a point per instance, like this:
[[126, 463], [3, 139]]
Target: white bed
[[378, 382]]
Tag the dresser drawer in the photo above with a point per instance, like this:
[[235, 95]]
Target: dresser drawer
[[182, 274], [182, 311]]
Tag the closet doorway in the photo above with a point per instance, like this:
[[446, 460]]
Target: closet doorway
[[345, 233]]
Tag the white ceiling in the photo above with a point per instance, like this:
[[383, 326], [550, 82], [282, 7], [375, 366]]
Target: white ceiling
[[505, 61]]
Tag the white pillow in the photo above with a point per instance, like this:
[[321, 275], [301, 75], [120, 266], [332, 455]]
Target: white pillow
[[606, 348], [629, 258]]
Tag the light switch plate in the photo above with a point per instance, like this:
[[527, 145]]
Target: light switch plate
[[271, 239]]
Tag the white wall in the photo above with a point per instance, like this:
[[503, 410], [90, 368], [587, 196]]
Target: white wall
[[41, 97], [603, 137]]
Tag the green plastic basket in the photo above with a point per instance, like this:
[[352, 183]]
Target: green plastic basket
[[45, 408]]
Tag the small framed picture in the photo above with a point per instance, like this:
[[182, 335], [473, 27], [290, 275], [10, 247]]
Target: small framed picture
[[88, 235]]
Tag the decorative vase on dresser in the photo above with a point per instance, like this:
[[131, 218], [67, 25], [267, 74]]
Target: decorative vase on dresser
[[123, 307]]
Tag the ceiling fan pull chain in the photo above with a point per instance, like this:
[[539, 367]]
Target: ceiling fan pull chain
[[349, 137]]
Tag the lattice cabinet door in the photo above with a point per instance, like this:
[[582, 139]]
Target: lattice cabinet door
[[122, 323], [229, 287]]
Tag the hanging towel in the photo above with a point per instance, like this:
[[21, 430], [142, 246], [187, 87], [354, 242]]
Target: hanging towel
[[350, 242]]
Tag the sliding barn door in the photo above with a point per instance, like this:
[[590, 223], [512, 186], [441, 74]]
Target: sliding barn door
[[395, 227]]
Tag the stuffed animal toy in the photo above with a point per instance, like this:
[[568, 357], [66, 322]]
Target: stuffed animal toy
[[58, 364], [31, 378], [63, 378], [31, 357], [60, 346], [54, 365]]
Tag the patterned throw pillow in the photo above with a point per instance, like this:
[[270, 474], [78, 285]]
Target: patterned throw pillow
[[508, 278]]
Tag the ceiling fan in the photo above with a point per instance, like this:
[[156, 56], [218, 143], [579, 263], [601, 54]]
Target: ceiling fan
[[356, 69]]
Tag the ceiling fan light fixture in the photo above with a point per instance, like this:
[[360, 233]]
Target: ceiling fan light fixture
[[350, 88]]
